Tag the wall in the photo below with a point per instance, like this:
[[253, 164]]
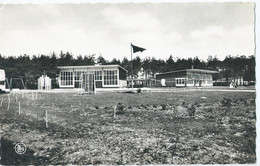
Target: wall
[[191, 79], [122, 74], [169, 78], [2, 79]]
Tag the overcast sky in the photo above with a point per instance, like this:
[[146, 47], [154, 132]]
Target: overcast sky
[[179, 29]]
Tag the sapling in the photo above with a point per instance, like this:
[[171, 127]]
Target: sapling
[[46, 119], [19, 108], [8, 104]]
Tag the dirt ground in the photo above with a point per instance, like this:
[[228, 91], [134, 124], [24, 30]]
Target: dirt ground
[[129, 128]]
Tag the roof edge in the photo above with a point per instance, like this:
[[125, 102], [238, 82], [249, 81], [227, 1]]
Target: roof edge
[[191, 70], [91, 66]]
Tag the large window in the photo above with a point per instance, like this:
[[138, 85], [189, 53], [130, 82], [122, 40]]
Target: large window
[[110, 77], [209, 77], [77, 75], [98, 75], [66, 78], [197, 76], [190, 76], [77, 78], [189, 81], [203, 76]]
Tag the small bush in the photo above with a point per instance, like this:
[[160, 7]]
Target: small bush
[[245, 102], [97, 107], [120, 108], [144, 106], [192, 110], [163, 107], [139, 90], [226, 102], [154, 106], [252, 101]]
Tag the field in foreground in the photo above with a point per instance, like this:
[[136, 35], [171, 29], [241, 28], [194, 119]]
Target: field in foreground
[[121, 128]]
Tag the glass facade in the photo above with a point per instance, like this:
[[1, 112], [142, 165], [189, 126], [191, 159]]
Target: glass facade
[[110, 77], [77, 75], [195, 78], [103, 77], [66, 78], [98, 75]]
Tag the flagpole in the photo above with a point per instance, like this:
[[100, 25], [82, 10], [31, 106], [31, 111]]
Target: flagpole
[[131, 49]]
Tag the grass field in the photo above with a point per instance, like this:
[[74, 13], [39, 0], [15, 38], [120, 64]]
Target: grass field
[[122, 128]]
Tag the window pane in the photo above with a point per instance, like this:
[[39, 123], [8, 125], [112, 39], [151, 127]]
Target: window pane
[[110, 77]]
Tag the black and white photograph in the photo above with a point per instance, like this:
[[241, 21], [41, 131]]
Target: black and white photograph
[[128, 82]]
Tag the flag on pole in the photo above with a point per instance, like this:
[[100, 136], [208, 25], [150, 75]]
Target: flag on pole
[[136, 49]]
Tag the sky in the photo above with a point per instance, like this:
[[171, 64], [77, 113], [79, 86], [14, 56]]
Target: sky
[[183, 30]]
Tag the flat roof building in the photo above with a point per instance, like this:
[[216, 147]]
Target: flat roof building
[[185, 78], [104, 76], [2, 79]]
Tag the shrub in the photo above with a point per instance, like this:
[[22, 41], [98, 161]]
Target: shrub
[[226, 102], [145, 107], [107, 107], [252, 101], [139, 90], [120, 108], [163, 107], [97, 107], [192, 110]]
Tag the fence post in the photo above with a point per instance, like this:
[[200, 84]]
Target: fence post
[[19, 108], [46, 119], [8, 104], [115, 112]]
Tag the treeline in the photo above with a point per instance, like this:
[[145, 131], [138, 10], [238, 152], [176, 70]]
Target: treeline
[[30, 68]]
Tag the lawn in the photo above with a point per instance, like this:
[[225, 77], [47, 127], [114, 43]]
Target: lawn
[[122, 128]]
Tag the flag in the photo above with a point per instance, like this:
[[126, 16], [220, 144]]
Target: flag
[[136, 49]]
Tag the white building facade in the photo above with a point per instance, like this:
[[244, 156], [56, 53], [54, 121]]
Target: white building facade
[[2, 79], [105, 76]]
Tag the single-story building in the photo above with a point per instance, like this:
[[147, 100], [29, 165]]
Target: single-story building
[[104, 76], [2, 79], [185, 78]]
